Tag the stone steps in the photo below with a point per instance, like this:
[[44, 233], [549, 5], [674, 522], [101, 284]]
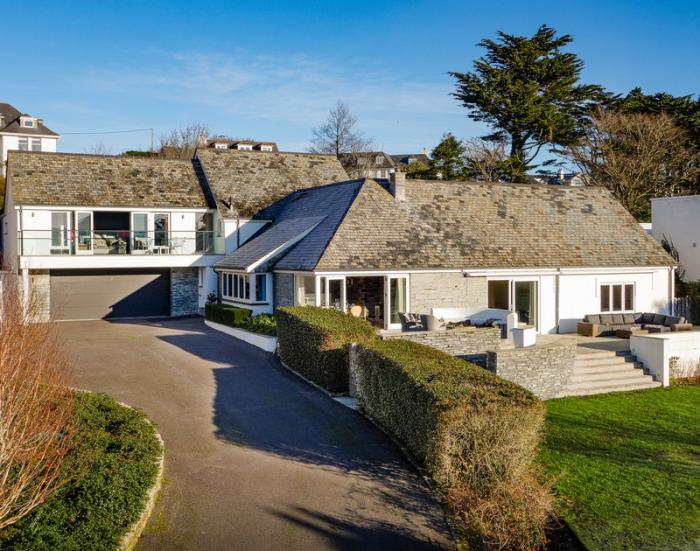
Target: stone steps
[[602, 371]]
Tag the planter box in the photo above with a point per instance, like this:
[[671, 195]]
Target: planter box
[[267, 343]]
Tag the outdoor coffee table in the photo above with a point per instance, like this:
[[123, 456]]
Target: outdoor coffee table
[[627, 333]]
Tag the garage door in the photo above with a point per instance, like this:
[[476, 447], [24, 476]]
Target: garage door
[[102, 294]]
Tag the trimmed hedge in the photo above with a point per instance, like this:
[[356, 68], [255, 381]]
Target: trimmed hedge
[[107, 478], [477, 435], [241, 318], [314, 343]]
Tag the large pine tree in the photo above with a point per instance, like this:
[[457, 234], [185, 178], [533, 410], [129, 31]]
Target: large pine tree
[[527, 89]]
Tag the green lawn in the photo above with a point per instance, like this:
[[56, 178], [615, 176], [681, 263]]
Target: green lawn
[[628, 467]]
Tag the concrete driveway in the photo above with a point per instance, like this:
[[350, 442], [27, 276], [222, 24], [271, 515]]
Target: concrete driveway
[[255, 457]]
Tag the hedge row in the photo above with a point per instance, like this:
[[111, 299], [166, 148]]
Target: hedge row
[[242, 318], [314, 342], [476, 435]]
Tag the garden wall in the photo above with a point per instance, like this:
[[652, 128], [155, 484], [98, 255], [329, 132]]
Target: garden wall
[[542, 369]]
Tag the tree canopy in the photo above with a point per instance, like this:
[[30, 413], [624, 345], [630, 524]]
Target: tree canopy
[[447, 158], [527, 89]]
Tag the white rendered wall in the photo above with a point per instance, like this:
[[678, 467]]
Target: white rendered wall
[[246, 230], [657, 350], [209, 283], [678, 218], [8, 143], [580, 294]]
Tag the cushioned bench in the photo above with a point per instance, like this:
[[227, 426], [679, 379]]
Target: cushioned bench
[[594, 325]]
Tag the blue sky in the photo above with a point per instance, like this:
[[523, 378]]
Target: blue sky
[[271, 70]]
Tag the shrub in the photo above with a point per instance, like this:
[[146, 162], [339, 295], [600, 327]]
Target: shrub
[[475, 433], [106, 481], [226, 315], [314, 342], [263, 324]]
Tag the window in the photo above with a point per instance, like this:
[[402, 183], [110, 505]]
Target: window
[[220, 146], [36, 144], [379, 159], [23, 144], [59, 233], [200, 277], [618, 297], [28, 123], [306, 290], [260, 288], [245, 147], [265, 148], [236, 286]]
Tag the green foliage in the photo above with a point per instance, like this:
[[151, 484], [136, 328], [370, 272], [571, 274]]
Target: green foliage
[[242, 318], [407, 387], [627, 467], [314, 342], [2, 192], [447, 158], [418, 170], [136, 153], [475, 433], [108, 475], [691, 289], [527, 89]]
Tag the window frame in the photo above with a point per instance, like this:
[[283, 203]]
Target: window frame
[[28, 123], [241, 287], [23, 144], [623, 286]]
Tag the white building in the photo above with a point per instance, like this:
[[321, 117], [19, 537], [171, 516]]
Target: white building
[[677, 219], [22, 132]]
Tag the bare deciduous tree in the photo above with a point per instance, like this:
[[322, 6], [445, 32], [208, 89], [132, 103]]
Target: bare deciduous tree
[[181, 143], [100, 148], [35, 406], [637, 156], [339, 137], [486, 160]]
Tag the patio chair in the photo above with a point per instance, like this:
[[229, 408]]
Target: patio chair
[[410, 322]]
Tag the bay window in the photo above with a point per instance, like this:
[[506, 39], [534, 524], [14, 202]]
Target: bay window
[[244, 287], [617, 297], [305, 290]]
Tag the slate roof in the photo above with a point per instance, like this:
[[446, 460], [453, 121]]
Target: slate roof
[[268, 241], [466, 225], [102, 181], [251, 181], [11, 123], [403, 159]]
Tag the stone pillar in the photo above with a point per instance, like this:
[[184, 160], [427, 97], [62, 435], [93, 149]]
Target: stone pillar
[[184, 292]]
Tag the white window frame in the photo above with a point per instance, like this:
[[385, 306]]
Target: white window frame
[[240, 287], [28, 123], [244, 147], [265, 148], [23, 142], [35, 142], [623, 300]]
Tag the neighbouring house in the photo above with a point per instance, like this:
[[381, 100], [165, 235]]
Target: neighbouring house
[[22, 132], [403, 161], [222, 142], [677, 220], [552, 254], [368, 164], [112, 236]]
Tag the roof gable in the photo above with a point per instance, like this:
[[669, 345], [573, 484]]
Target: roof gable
[[103, 181], [247, 182]]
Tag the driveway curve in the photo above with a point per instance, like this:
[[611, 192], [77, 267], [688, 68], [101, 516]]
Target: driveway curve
[[255, 457]]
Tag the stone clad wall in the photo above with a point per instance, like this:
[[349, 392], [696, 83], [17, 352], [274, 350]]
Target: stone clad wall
[[542, 369], [449, 289], [184, 292], [469, 343], [40, 295], [284, 289]]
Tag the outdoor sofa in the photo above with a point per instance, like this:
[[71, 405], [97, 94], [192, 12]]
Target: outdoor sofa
[[595, 325]]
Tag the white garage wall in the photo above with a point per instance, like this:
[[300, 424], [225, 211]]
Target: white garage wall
[[678, 219]]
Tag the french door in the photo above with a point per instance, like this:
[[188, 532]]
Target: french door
[[396, 297], [516, 295], [83, 225], [332, 292]]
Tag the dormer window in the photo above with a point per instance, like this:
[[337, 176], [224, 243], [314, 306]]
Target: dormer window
[[27, 122], [244, 147], [265, 148], [220, 146], [379, 159]]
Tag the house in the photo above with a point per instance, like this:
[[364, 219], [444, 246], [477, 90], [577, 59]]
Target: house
[[677, 220], [97, 236], [368, 164], [221, 142], [552, 254], [23, 132], [402, 161]]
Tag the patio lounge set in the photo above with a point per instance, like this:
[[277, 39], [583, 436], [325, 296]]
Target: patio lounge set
[[625, 325], [452, 318]]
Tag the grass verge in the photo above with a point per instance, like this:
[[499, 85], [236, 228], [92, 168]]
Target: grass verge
[[628, 467], [108, 475]]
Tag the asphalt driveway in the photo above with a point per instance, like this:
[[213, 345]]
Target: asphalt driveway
[[255, 457]]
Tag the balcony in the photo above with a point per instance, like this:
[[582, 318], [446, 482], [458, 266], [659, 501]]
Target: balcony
[[117, 242]]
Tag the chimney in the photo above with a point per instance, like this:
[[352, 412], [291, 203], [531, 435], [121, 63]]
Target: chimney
[[397, 185]]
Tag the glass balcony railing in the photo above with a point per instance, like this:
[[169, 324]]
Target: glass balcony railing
[[122, 242]]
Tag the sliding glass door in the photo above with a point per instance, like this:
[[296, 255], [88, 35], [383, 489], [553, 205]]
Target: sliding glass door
[[83, 223], [397, 299], [525, 301]]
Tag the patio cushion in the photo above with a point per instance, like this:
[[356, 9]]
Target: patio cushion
[[647, 317], [639, 318], [672, 320], [606, 319], [630, 318], [659, 319], [593, 318], [618, 319]]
